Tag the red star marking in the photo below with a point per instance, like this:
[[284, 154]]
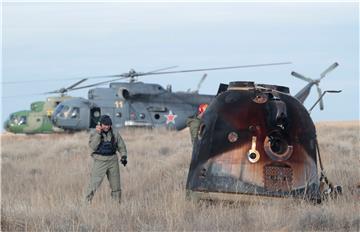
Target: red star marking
[[170, 118]]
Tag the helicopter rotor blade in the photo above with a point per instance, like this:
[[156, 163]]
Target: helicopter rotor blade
[[76, 84], [155, 72], [321, 99], [36, 80], [98, 83], [218, 68], [200, 82], [62, 79], [65, 90], [62, 90], [117, 79], [162, 69], [191, 70], [51, 92], [329, 69], [132, 73], [302, 77], [24, 95]]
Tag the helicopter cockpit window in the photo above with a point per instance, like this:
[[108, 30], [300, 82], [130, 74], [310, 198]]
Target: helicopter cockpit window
[[22, 120], [64, 112], [75, 112], [14, 119], [58, 109]]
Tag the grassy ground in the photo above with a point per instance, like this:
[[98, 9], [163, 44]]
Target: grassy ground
[[44, 179]]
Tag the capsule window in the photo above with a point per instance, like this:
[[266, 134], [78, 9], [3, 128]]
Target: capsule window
[[277, 148]]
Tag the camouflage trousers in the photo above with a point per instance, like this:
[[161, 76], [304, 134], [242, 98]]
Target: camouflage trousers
[[102, 167]]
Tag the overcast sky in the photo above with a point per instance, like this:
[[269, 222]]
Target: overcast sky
[[70, 40]]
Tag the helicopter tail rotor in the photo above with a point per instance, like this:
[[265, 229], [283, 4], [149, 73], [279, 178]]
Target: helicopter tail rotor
[[302, 95], [329, 69], [321, 104], [302, 77]]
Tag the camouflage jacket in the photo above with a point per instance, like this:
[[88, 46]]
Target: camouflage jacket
[[95, 139], [193, 123]]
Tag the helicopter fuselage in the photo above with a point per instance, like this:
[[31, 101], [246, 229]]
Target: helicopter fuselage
[[130, 105]]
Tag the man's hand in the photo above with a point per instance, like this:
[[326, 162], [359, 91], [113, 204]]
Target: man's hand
[[98, 128], [123, 160]]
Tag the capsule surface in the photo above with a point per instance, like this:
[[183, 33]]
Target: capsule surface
[[254, 140]]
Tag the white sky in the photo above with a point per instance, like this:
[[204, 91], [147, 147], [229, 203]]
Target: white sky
[[70, 40]]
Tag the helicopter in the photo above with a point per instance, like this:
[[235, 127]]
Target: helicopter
[[38, 118], [258, 140], [134, 103]]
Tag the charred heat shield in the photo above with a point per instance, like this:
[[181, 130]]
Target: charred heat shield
[[257, 140]]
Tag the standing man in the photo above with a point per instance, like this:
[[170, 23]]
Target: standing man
[[194, 122], [104, 143]]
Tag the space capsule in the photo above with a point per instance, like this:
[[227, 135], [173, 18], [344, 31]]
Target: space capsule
[[254, 140]]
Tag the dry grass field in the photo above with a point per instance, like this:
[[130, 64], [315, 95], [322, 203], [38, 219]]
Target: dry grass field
[[43, 179]]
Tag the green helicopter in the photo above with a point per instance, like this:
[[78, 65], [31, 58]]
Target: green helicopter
[[38, 118]]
